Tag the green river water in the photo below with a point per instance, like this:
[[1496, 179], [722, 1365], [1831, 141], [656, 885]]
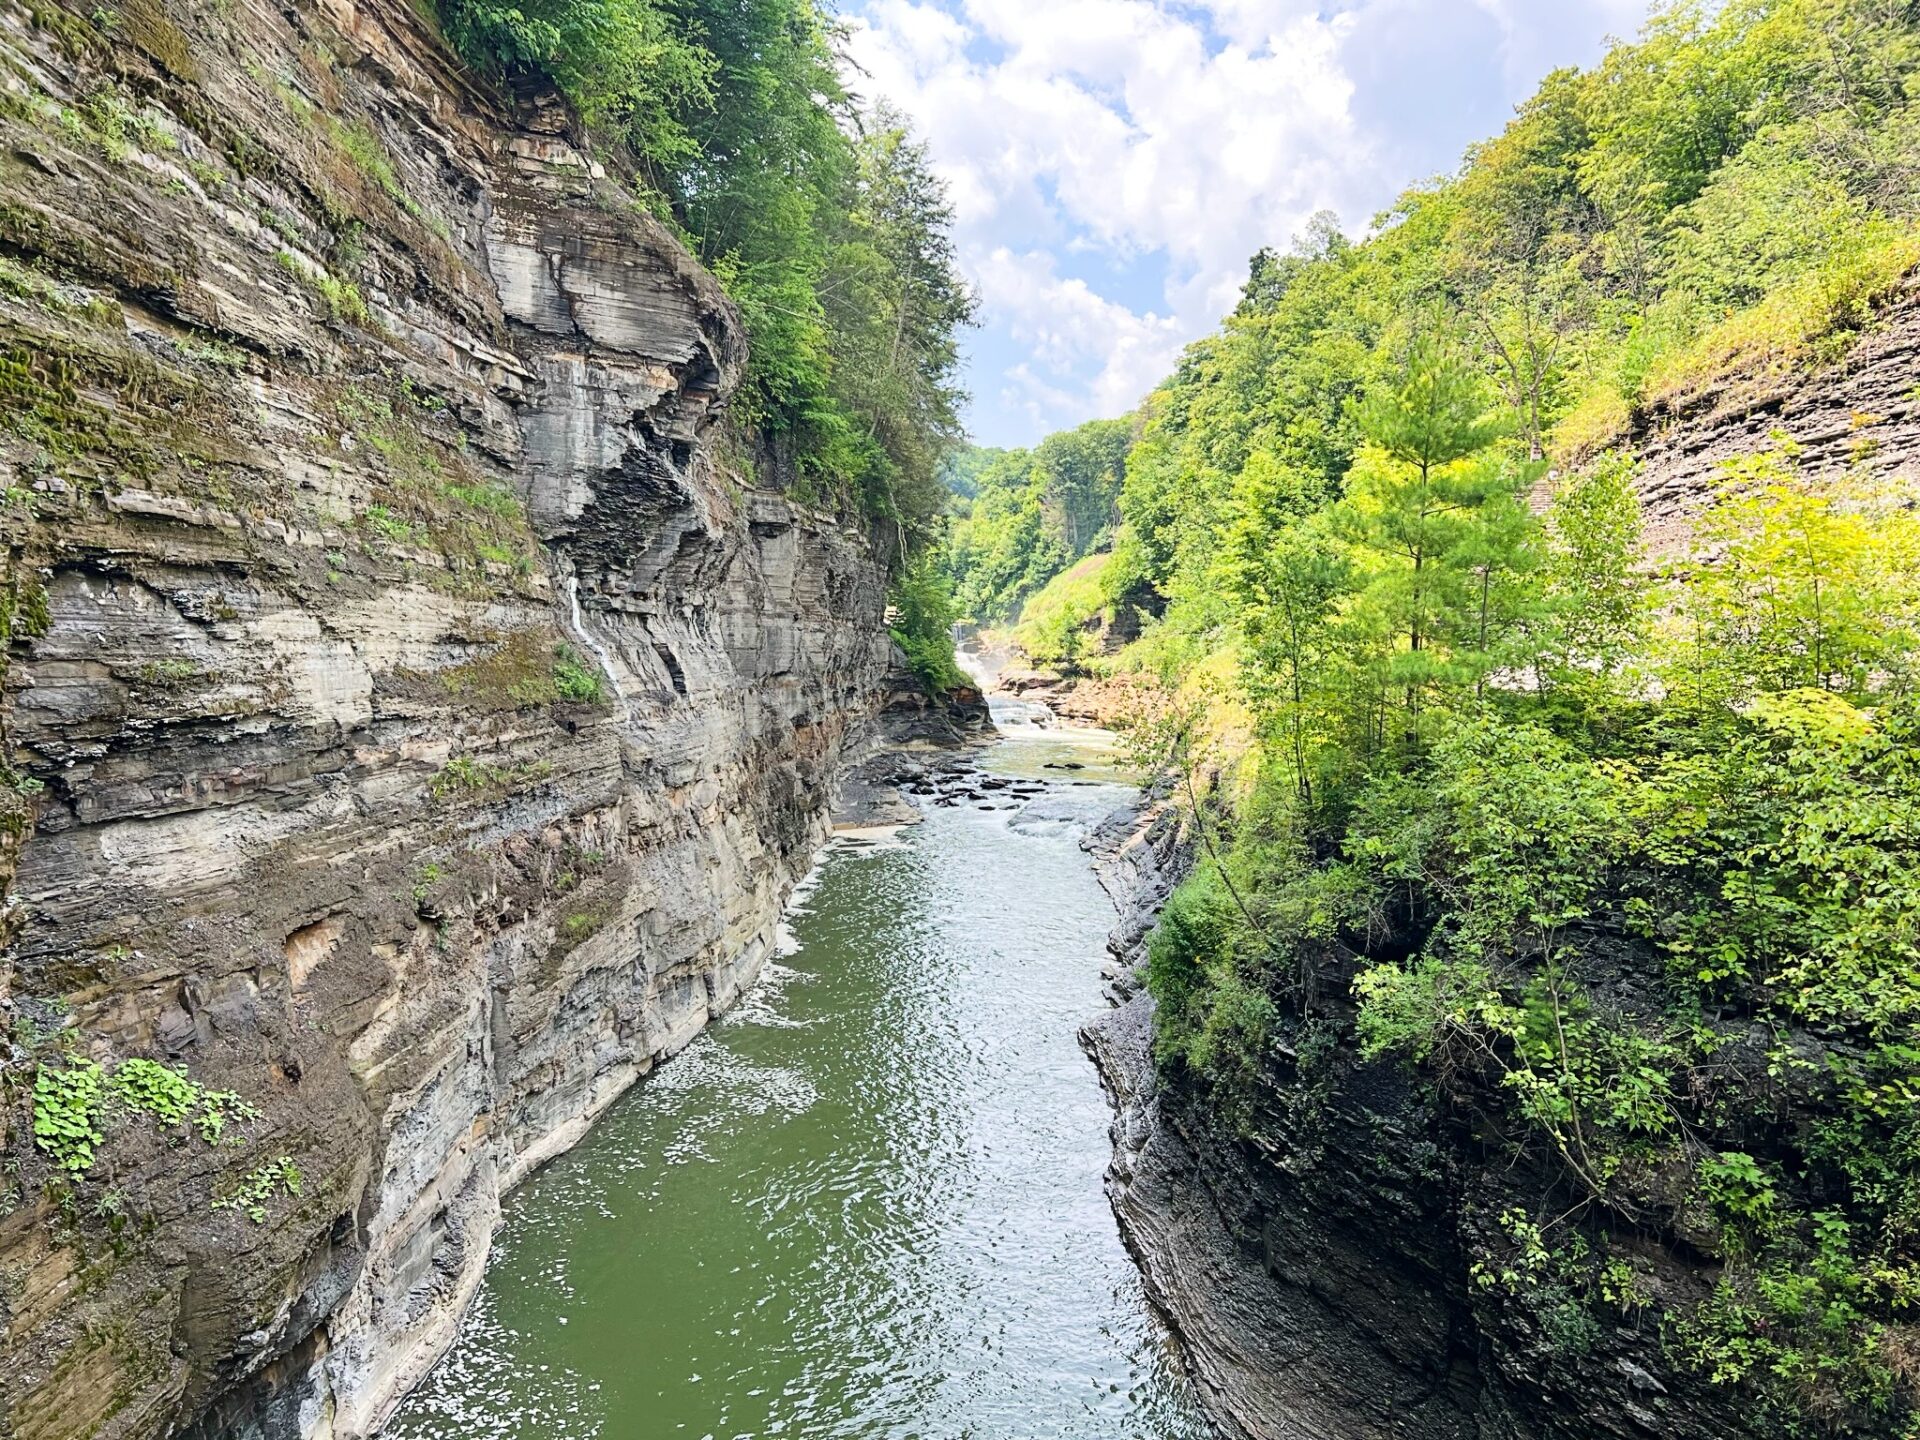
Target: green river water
[[866, 1204]]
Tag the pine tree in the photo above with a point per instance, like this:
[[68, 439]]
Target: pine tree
[[1438, 521]]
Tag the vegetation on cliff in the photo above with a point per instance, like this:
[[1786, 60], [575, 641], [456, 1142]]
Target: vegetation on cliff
[[1617, 855], [821, 217]]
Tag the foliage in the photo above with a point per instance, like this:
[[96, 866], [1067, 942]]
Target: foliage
[[67, 1102], [462, 774], [922, 626], [626, 63], [76, 1100], [823, 220], [1619, 863], [259, 1185], [573, 679], [1606, 832], [1053, 624], [1033, 513]]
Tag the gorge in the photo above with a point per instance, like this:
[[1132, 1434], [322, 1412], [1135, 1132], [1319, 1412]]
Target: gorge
[[514, 922], [425, 717]]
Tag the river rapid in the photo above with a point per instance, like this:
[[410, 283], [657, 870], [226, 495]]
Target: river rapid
[[867, 1203]]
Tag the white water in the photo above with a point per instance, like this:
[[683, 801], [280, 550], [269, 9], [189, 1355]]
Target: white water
[[586, 638], [1038, 744]]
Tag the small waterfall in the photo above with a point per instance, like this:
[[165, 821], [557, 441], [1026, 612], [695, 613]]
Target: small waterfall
[[1009, 712], [586, 638]]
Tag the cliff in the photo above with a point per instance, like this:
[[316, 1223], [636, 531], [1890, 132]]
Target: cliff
[[1315, 1260], [416, 715], [1861, 413], [1333, 1257]]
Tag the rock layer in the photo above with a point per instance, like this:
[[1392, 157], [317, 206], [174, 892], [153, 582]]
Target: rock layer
[[1314, 1261], [1861, 414], [420, 712]]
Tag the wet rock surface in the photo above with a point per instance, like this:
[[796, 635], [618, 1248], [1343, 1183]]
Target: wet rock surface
[[422, 713], [1082, 699]]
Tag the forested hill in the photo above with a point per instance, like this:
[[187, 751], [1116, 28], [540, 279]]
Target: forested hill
[[1717, 201], [1612, 856]]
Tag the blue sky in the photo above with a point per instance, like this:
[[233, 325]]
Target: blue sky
[[1113, 163]]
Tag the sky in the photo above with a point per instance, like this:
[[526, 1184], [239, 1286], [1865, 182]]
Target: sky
[[1113, 164]]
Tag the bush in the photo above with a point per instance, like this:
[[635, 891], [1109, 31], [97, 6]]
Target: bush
[[923, 618]]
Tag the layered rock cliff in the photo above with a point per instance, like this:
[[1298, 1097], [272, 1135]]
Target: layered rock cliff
[[416, 714], [1318, 1256]]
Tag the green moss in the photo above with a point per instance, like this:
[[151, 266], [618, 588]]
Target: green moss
[[210, 177], [430, 484], [474, 779], [167, 674], [77, 37], [34, 287], [40, 401], [523, 670], [342, 298], [23, 608], [493, 499], [363, 147], [143, 22], [52, 384]]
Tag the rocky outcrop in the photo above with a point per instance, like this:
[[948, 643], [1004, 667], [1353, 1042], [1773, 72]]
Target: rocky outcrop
[[1862, 412], [1282, 1344], [1314, 1258], [416, 712]]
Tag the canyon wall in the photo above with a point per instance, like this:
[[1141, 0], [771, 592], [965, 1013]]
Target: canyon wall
[[1317, 1257], [416, 715]]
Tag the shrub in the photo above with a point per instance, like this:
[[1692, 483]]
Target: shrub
[[922, 626]]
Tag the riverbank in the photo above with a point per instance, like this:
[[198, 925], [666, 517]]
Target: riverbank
[[1273, 1355]]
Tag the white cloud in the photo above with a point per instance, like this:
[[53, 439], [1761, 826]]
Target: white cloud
[[1070, 331], [1152, 145]]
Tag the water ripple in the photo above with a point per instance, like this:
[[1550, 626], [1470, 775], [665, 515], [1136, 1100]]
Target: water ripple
[[869, 1205]]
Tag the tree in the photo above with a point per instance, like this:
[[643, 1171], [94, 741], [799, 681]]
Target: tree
[[1521, 236], [1801, 584], [1595, 582], [1439, 524], [922, 625], [894, 303], [825, 224]]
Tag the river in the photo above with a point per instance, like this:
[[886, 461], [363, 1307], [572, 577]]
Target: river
[[867, 1203]]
